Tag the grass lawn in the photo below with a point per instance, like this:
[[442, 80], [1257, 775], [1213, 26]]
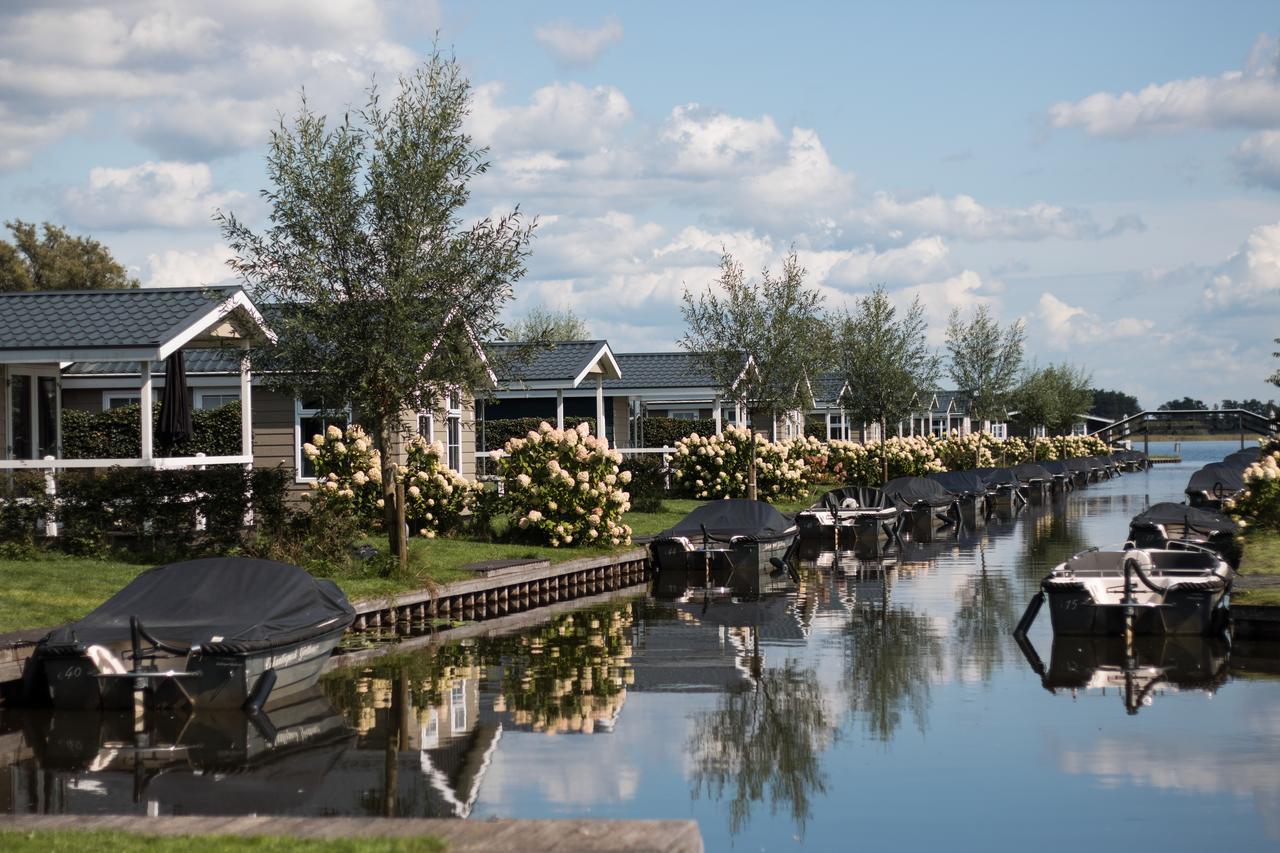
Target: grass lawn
[[1261, 557], [70, 841]]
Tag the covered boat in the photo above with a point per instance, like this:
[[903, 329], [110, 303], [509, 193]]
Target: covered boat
[[926, 501], [1034, 478], [970, 491], [1003, 486], [222, 632], [1061, 476], [849, 512], [1244, 458], [1213, 484], [1167, 522], [1175, 590], [726, 544]]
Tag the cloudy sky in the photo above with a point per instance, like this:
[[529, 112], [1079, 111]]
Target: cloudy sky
[[1108, 172]]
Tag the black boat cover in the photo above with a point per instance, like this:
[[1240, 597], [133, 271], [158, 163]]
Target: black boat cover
[[994, 477], [1202, 520], [736, 517], [1028, 471], [237, 603], [1080, 464], [918, 490], [1244, 458], [966, 483], [1217, 479], [866, 497], [1056, 467]]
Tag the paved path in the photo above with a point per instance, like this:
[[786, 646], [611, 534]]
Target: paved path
[[460, 836]]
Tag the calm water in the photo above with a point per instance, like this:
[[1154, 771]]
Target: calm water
[[875, 707]]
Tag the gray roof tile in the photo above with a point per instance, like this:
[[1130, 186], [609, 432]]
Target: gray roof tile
[[660, 370], [562, 361], [100, 318], [198, 360]]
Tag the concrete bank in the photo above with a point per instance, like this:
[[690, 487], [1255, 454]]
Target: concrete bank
[[496, 836]]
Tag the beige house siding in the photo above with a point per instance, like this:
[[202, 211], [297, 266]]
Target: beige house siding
[[273, 434], [83, 399], [621, 422]]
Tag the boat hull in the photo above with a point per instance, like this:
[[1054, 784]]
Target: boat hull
[[207, 680], [743, 566], [1072, 610]]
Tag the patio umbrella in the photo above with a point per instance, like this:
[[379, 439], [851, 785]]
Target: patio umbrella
[[175, 406]]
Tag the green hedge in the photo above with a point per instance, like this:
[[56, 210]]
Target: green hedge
[[498, 432], [665, 432], [114, 434]]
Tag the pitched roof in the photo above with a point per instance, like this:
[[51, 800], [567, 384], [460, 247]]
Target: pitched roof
[[559, 362], [201, 360], [827, 387], [662, 370], [55, 324]]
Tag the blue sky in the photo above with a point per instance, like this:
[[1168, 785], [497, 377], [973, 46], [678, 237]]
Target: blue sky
[[1110, 173]]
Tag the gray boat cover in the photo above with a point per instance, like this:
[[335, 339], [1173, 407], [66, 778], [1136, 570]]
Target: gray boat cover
[[964, 483], [237, 603], [1202, 520], [735, 517], [1244, 458], [1217, 478], [918, 490], [1056, 467], [1028, 471]]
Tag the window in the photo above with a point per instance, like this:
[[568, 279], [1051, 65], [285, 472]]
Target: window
[[116, 399], [214, 399], [837, 426], [310, 419], [458, 708], [453, 431], [32, 403], [684, 414]]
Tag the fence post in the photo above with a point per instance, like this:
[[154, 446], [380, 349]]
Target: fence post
[[51, 492], [201, 522]]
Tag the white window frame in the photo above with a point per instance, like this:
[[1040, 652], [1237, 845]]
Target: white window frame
[[215, 392], [35, 373], [683, 414], [453, 429], [134, 397], [458, 708], [298, 414]]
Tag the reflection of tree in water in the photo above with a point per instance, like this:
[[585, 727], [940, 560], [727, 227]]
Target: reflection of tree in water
[[891, 657], [764, 741], [1052, 534], [984, 620]]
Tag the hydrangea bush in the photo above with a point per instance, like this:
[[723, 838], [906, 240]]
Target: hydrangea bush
[[958, 452], [715, 466], [565, 486], [1259, 503], [348, 472], [436, 497], [860, 464]]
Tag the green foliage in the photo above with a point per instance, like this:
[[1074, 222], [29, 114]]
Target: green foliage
[[716, 466], [24, 508], [437, 498], [57, 261], [1259, 504], [648, 484], [885, 359], [866, 464], [115, 434], [157, 512], [499, 432], [1114, 405], [1053, 397], [1183, 403], [544, 325], [665, 432], [985, 361]]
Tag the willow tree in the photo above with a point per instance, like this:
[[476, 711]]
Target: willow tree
[[885, 360], [759, 341], [1072, 396], [380, 286], [985, 364]]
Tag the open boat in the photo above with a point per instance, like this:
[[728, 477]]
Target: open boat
[[1174, 590], [851, 512], [1163, 523], [726, 544], [222, 632]]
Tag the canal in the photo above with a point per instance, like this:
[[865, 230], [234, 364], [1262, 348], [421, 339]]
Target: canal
[[883, 704]]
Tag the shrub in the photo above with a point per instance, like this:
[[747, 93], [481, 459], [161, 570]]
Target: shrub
[[436, 497], [860, 464], [1259, 503], [648, 484], [715, 466], [498, 432], [348, 474], [565, 487], [24, 508], [958, 452], [114, 434], [665, 432]]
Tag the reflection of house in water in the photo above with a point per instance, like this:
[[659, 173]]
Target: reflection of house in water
[[684, 655]]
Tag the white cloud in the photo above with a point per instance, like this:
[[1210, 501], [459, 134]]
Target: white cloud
[[580, 46], [1069, 326], [1257, 159], [203, 79], [965, 217], [709, 142], [161, 194], [1248, 98], [559, 117], [176, 268], [22, 135], [1251, 276]]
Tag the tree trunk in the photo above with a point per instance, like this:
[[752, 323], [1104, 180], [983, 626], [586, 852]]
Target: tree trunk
[[1033, 444], [884, 452], [392, 506], [751, 466], [977, 454]]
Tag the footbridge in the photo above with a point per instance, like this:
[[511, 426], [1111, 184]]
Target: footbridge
[[1227, 422]]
